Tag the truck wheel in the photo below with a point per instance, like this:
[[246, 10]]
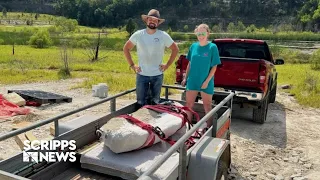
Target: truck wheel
[[222, 173], [273, 94], [260, 114]]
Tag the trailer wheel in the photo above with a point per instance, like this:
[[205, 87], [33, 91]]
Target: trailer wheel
[[228, 135], [222, 173], [260, 114]]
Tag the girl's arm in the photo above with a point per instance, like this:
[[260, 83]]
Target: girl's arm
[[187, 72], [211, 74], [214, 62]]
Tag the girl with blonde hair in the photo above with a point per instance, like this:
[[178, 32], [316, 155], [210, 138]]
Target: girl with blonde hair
[[203, 59]]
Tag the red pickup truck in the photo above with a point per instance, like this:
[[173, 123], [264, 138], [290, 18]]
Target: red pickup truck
[[248, 69]]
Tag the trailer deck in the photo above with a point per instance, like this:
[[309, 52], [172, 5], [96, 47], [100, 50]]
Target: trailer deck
[[93, 161]]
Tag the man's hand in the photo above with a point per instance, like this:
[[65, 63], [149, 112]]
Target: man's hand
[[136, 68], [163, 67], [204, 85], [183, 83]]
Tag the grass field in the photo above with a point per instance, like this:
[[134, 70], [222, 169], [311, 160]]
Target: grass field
[[305, 83], [31, 65]]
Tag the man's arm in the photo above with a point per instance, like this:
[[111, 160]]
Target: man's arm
[[174, 52], [126, 50]]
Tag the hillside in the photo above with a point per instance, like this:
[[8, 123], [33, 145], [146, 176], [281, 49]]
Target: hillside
[[302, 14], [45, 6]]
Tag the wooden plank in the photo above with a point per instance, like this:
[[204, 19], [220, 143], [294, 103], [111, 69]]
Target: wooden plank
[[20, 125], [20, 139], [52, 130], [31, 137]]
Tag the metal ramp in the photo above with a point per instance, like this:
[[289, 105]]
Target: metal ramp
[[41, 97]]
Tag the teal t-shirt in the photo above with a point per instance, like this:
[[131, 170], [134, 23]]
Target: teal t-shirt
[[202, 59]]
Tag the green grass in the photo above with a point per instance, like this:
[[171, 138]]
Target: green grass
[[32, 65], [20, 35], [305, 83]]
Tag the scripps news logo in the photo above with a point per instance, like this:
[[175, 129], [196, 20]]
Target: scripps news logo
[[56, 151]]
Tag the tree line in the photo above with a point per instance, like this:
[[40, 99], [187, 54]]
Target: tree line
[[112, 13]]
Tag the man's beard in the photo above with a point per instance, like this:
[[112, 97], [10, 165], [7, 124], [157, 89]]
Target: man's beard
[[152, 26]]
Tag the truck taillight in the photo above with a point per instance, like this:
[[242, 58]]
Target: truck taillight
[[262, 74]]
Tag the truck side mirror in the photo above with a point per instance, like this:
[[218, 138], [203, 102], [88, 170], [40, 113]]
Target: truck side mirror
[[279, 61]]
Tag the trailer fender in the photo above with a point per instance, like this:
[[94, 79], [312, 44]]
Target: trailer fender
[[207, 157]]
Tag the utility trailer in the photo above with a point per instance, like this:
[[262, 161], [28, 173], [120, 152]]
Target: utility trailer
[[208, 158]]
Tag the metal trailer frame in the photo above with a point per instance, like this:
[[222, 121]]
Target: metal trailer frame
[[13, 168]]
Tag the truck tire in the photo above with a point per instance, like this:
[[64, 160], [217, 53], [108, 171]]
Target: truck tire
[[273, 94], [260, 114], [222, 173]]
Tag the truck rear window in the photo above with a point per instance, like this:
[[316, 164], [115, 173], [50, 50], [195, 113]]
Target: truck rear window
[[243, 50]]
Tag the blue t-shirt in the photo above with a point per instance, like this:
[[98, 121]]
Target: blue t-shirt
[[202, 59]]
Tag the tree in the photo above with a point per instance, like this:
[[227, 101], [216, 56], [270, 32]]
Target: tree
[[217, 28], [173, 24], [131, 26], [251, 29], [93, 51], [40, 39], [240, 26], [310, 13], [4, 12], [231, 27], [66, 25], [186, 28], [37, 16], [66, 55]]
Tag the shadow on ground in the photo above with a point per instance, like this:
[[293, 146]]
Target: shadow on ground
[[272, 132]]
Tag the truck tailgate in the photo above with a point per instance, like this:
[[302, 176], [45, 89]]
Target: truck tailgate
[[238, 72]]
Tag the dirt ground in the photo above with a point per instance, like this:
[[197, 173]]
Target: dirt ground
[[285, 147]]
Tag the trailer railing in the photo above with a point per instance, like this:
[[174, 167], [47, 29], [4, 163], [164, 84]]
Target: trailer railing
[[180, 145], [56, 119]]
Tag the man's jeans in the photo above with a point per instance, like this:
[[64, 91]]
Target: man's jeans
[[146, 83]]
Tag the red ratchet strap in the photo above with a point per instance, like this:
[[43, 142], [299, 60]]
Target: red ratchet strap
[[174, 110], [154, 131], [145, 126], [151, 130], [178, 111]]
